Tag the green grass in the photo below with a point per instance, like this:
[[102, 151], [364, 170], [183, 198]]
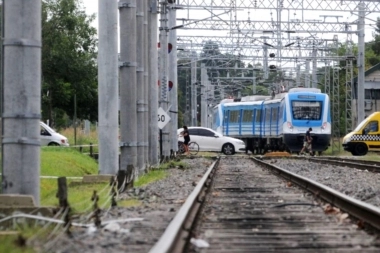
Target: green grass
[[9, 244], [63, 162], [71, 163], [81, 138], [58, 161]]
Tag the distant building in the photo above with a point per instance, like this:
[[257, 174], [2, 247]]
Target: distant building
[[371, 93]]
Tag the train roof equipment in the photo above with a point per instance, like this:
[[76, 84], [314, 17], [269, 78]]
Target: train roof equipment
[[302, 89]]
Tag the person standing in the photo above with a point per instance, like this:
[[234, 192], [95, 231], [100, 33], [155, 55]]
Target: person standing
[[307, 142], [186, 137]]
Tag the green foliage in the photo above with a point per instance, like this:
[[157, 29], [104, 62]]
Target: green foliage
[[68, 61], [376, 45]]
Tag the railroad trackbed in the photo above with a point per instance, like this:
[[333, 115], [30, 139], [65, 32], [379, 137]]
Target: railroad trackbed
[[255, 206]]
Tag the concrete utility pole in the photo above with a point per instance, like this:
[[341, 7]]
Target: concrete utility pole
[[128, 91], [108, 129], [173, 92], [194, 85], [153, 87], [361, 63], [146, 84], [204, 82], [164, 75], [140, 86], [265, 60], [21, 98]]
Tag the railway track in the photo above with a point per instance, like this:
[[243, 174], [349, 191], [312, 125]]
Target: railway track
[[372, 166], [248, 208]]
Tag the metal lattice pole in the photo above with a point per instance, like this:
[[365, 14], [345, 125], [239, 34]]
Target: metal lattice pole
[[188, 115], [335, 112], [349, 78]]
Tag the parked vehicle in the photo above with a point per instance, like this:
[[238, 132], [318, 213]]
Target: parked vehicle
[[365, 137], [49, 137], [210, 140]]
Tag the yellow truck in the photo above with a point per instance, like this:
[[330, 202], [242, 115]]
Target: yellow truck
[[365, 137]]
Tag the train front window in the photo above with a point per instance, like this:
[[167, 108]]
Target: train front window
[[307, 110]]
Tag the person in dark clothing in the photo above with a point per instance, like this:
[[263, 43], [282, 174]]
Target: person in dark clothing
[[307, 142], [186, 137]]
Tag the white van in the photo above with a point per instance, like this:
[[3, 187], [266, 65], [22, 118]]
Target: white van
[[49, 137]]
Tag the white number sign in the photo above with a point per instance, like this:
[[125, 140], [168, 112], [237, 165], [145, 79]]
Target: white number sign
[[163, 118]]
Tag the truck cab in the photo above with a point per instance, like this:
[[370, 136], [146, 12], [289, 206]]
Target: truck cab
[[365, 137]]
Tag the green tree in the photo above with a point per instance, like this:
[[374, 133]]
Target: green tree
[[68, 61], [376, 44]]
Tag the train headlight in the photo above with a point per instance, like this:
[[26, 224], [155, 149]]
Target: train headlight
[[290, 126], [324, 125]]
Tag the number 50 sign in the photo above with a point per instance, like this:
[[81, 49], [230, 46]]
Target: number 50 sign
[[163, 118]]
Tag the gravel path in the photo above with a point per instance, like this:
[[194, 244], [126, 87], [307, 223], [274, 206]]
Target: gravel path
[[159, 204], [359, 184]]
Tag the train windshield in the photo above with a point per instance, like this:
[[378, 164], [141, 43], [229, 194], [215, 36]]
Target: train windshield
[[307, 110]]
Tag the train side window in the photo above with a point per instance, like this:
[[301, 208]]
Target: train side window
[[275, 114], [234, 116], [258, 115], [247, 115], [267, 114]]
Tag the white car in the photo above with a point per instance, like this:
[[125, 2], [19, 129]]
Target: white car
[[209, 140], [49, 137]]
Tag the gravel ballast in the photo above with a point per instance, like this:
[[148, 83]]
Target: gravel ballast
[[359, 184], [159, 203]]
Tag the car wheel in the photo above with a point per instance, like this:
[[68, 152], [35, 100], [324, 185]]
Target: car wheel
[[361, 149], [53, 144], [228, 149]]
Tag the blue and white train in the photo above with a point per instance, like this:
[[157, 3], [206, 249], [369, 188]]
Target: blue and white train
[[277, 123]]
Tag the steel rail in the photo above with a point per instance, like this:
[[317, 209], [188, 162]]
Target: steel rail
[[176, 234], [362, 211], [360, 165], [372, 166]]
